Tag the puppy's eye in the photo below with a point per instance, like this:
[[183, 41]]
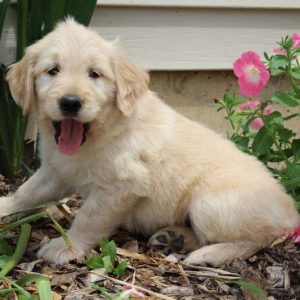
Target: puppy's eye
[[53, 71], [94, 74]]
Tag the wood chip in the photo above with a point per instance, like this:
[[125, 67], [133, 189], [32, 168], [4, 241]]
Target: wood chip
[[178, 291], [97, 275]]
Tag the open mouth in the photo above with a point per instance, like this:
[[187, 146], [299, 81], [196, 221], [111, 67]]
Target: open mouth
[[70, 135]]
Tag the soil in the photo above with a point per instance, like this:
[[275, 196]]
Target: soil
[[275, 270]]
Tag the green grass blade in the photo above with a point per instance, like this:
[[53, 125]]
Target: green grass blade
[[18, 287], [3, 9], [6, 291], [44, 289], [20, 249], [42, 283], [252, 287], [20, 222], [61, 231]]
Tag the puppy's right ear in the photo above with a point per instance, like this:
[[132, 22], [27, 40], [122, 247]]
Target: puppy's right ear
[[20, 78], [132, 82]]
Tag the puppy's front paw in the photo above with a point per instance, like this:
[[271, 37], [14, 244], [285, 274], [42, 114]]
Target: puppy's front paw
[[6, 206], [57, 252]]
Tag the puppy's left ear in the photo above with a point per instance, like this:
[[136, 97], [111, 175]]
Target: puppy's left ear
[[20, 78], [132, 83]]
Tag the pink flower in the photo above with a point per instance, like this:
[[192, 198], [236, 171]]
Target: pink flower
[[251, 72], [257, 124], [280, 51], [296, 40], [268, 109], [296, 234], [250, 104]]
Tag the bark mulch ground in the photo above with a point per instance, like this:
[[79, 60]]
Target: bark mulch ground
[[276, 269]]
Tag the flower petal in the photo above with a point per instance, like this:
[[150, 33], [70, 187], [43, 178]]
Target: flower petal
[[252, 73], [296, 40], [268, 109], [257, 124]]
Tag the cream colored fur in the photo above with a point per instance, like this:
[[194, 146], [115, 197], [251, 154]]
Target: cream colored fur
[[143, 166]]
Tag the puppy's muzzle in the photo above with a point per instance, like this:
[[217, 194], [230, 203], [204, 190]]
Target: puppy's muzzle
[[70, 105]]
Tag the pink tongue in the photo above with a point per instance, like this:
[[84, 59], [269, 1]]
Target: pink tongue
[[71, 136]]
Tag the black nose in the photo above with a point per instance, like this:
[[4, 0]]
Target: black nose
[[70, 104]]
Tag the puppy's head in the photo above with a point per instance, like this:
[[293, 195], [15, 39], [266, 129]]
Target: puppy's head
[[74, 79]]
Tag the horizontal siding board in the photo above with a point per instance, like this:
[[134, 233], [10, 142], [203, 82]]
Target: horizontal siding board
[[193, 39], [252, 4], [169, 38]]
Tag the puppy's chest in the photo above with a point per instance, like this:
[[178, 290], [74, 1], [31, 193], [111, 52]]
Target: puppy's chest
[[96, 170]]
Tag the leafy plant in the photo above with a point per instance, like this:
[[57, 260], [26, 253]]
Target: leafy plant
[[258, 127], [9, 259], [35, 19], [107, 259]]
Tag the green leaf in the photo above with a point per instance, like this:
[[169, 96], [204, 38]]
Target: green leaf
[[262, 142], [235, 118], [121, 268], [109, 248], [82, 10], [285, 134], [241, 142], [296, 74], [285, 99], [4, 259], [108, 263], [20, 249], [277, 156], [296, 149], [266, 56], [293, 170], [279, 61], [277, 72], [103, 291], [95, 262], [292, 183], [5, 248], [252, 287], [274, 118]]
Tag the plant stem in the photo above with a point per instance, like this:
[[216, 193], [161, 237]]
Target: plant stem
[[291, 116], [61, 231]]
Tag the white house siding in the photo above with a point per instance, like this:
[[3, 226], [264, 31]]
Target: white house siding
[[185, 35]]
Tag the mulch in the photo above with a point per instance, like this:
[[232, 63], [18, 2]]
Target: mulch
[[275, 269]]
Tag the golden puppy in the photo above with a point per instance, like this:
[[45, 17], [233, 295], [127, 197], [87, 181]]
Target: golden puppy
[[136, 162]]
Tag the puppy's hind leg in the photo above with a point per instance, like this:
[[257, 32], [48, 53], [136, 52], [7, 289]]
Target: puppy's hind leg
[[221, 253], [231, 223]]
